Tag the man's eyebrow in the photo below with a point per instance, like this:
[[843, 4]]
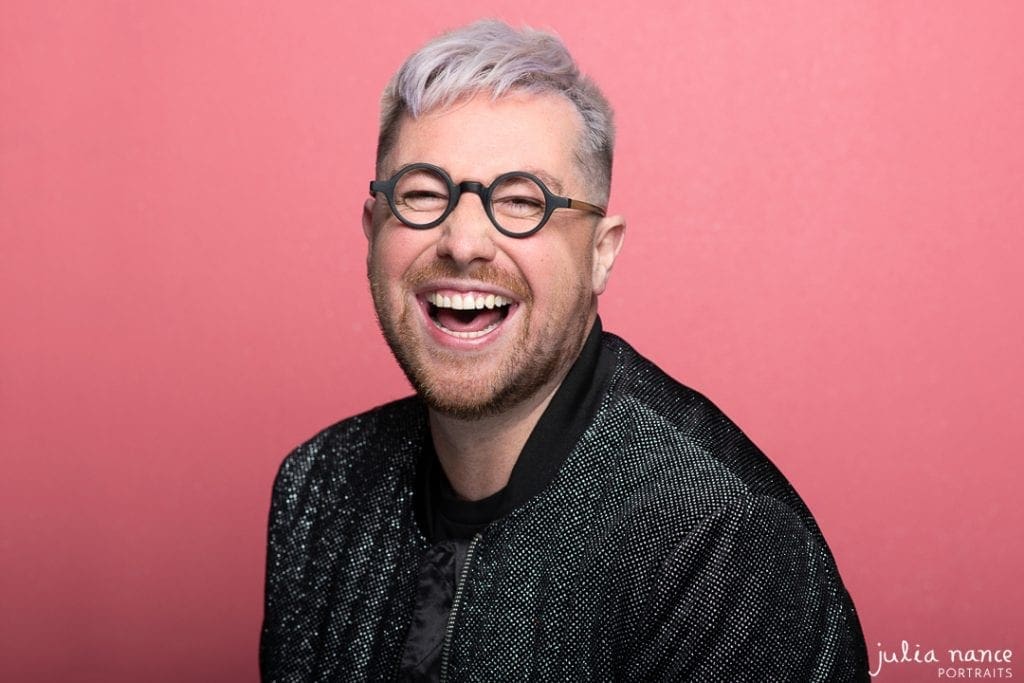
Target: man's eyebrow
[[552, 183]]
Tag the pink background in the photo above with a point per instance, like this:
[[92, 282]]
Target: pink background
[[825, 214]]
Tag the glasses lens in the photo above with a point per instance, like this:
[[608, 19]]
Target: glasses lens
[[421, 196], [518, 204]]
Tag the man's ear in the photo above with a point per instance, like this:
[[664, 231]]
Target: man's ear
[[608, 236], [368, 217]]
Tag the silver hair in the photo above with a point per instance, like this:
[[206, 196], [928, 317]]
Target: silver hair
[[491, 56]]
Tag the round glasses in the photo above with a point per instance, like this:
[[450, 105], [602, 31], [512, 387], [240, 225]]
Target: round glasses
[[518, 203]]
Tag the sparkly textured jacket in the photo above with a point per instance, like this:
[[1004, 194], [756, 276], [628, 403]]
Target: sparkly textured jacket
[[666, 547]]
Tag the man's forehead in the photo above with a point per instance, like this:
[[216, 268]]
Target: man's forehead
[[480, 137], [550, 181]]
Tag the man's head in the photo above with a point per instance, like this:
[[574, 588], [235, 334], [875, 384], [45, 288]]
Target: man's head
[[481, 320]]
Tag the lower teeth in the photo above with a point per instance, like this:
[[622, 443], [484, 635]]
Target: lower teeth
[[466, 335]]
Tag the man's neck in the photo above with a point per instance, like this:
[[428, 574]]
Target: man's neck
[[478, 455]]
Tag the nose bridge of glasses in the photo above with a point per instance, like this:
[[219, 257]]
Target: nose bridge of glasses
[[471, 186], [468, 187]]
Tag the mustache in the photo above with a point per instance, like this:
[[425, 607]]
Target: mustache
[[487, 273]]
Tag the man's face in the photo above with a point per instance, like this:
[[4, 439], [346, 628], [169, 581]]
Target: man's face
[[482, 361]]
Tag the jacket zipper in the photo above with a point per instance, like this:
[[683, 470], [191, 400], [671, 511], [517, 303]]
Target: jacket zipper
[[446, 646]]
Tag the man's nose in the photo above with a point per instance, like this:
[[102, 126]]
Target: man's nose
[[467, 234]]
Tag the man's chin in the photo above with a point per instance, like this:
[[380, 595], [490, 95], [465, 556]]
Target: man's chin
[[460, 409], [463, 399]]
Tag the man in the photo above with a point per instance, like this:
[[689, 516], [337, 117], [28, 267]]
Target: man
[[550, 505]]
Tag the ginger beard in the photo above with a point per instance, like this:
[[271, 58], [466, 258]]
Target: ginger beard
[[452, 382]]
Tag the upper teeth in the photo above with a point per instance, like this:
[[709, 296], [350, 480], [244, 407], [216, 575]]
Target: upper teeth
[[462, 302]]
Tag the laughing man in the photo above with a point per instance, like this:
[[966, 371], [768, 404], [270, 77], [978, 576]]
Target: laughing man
[[549, 505]]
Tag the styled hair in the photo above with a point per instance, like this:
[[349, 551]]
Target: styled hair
[[491, 56]]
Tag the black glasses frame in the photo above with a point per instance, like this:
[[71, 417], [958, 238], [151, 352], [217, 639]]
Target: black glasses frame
[[551, 201]]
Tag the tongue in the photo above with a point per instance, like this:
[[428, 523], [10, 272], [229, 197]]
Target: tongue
[[468, 321]]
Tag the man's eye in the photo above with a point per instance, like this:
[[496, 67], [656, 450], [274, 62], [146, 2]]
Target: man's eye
[[519, 206], [422, 200]]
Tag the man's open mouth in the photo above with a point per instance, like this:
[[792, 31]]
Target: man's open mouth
[[467, 315]]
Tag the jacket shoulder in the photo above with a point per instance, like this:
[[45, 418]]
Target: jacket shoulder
[[376, 445], [643, 383], [678, 431]]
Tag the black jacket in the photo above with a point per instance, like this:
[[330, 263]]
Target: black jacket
[[667, 547]]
